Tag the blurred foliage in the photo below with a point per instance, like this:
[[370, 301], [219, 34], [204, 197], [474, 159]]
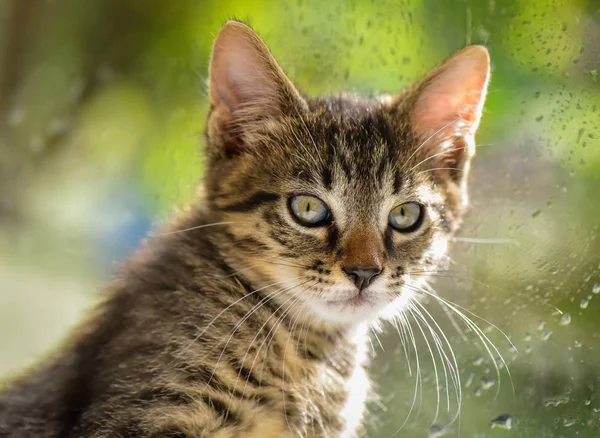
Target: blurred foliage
[[102, 106]]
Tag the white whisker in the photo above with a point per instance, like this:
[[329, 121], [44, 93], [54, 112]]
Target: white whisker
[[166, 233]]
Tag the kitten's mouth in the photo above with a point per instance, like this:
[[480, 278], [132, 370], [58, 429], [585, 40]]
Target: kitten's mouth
[[356, 300]]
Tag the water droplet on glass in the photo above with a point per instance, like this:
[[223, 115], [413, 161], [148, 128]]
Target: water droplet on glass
[[437, 431], [469, 381], [487, 384], [477, 362], [596, 288], [541, 325], [566, 319], [503, 421], [546, 335], [527, 337], [557, 400], [584, 303], [570, 421]]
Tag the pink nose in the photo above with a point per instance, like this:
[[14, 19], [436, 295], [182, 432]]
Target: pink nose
[[362, 276]]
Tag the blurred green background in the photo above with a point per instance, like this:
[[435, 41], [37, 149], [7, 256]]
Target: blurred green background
[[102, 106]]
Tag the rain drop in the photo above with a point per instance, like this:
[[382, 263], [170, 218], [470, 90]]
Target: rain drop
[[437, 431], [566, 319], [503, 421], [479, 361], [469, 381], [487, 383], [557, 400]]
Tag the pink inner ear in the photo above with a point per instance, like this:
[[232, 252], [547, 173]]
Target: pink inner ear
[[453, 91], [435, 111], [244, 77]]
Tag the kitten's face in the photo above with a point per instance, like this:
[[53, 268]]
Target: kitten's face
[[337, 203]]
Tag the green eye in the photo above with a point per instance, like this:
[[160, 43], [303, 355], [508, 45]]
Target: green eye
[[309, 210], [406, 217]]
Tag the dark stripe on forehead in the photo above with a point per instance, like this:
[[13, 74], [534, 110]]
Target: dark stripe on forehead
[[344, 162], [255, 201], [381, 171], [327, 177], [397, 182]]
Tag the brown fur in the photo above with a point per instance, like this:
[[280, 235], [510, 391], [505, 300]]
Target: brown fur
[[211, 328]]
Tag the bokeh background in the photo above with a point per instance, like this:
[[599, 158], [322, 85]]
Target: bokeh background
[[102, 106]]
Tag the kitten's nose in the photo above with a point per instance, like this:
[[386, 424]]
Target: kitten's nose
[[361, 275]]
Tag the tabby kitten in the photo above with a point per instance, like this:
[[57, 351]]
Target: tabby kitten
[[245, 316]]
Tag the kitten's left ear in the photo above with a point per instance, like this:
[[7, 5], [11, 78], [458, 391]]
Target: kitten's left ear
[[444, 109], [246, 87]]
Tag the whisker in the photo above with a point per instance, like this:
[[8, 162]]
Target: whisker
[[444, 152], [374, 331], [456, 368], [438, 168], [429, 138], [453, 277], [435, 370], [238, 300], [245, 318], [195, 228], [470, 313], [403, 341], [278, 321], [418, 379], [452, 366], [195, 339], [286, 260], [492, 240], [481, 334]]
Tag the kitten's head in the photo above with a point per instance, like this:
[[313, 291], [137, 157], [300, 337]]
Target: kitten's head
[[335, 202]]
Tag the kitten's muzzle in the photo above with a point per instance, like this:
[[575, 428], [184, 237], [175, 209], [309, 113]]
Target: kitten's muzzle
[[362, 276]]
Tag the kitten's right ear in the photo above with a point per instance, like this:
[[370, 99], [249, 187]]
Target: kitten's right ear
[[444, 109], [246, 87]]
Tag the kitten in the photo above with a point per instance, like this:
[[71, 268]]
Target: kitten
[[245, 316]]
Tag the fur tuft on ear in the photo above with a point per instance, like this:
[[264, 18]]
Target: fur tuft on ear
[[246, 86], [444, 109]]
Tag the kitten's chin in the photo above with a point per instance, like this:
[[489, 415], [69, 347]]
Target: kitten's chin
[[358, 309]]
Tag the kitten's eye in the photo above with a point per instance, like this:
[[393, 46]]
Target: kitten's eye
[[309, 210], [406, 217]]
